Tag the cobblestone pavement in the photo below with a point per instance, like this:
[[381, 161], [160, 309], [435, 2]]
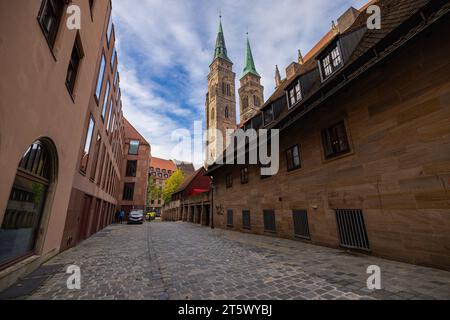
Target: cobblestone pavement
[[185, 261]]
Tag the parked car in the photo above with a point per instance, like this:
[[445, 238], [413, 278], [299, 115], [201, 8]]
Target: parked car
[[136, 216], [151, 216]]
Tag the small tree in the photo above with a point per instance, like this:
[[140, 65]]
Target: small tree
[[172, 185], [152, 190]]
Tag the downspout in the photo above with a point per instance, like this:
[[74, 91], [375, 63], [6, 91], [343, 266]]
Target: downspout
[[212, 202]]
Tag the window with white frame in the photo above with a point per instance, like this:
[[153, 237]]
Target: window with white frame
[[331, 62], [336, 57], [295, 94]]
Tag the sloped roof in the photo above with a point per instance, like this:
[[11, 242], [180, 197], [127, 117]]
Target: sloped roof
[[186, 167], [221, 49], [162, 164], [186, 182], [308, 65], [393, 14], [190, 179], [132, 134], [326, 39], [249, 62]]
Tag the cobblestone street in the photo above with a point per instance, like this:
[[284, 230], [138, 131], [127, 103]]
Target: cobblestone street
[[185, 261]]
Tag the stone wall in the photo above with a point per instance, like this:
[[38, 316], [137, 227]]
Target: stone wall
[[398, 171]]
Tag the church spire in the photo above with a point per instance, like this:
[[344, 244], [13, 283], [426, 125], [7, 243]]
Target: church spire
[[249, 63], [221, 48], [277, 77]]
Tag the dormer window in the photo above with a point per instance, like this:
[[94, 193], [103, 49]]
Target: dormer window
[[295, 94], [331, 62]]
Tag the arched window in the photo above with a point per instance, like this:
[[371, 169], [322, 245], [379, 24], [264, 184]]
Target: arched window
[[212, 114], [255, 101], [227, 114], [22, 219], [245, 102]]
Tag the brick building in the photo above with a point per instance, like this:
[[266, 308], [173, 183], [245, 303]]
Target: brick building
[[94, 195], [160, 170], [136, 159], [61, 130], [191, 201], [364, 142]]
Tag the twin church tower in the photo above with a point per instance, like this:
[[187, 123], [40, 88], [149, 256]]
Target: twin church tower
[[221, 96]]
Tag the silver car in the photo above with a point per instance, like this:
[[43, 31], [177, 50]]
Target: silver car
[[136, 216]]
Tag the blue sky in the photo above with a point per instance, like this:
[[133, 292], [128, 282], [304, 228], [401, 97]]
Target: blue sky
[[165, 48]]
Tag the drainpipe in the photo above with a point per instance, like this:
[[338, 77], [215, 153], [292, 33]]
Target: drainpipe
[[212, 203]]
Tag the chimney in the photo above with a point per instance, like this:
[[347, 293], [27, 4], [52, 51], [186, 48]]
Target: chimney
[[347, 19], [292, 69]]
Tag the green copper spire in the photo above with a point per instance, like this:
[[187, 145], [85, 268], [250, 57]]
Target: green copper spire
[[221, 48], [249, 63]]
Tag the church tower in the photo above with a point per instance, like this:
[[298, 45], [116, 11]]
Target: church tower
[[221, 97], [251, 92]]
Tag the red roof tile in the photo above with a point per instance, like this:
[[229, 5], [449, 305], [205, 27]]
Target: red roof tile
[[162, 164], [196, 180]]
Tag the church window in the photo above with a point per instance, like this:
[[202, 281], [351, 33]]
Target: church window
[[255, 101], [245, 102], [226, 113]]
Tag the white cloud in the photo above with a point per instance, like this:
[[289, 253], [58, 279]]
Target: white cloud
[[165, 48]]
